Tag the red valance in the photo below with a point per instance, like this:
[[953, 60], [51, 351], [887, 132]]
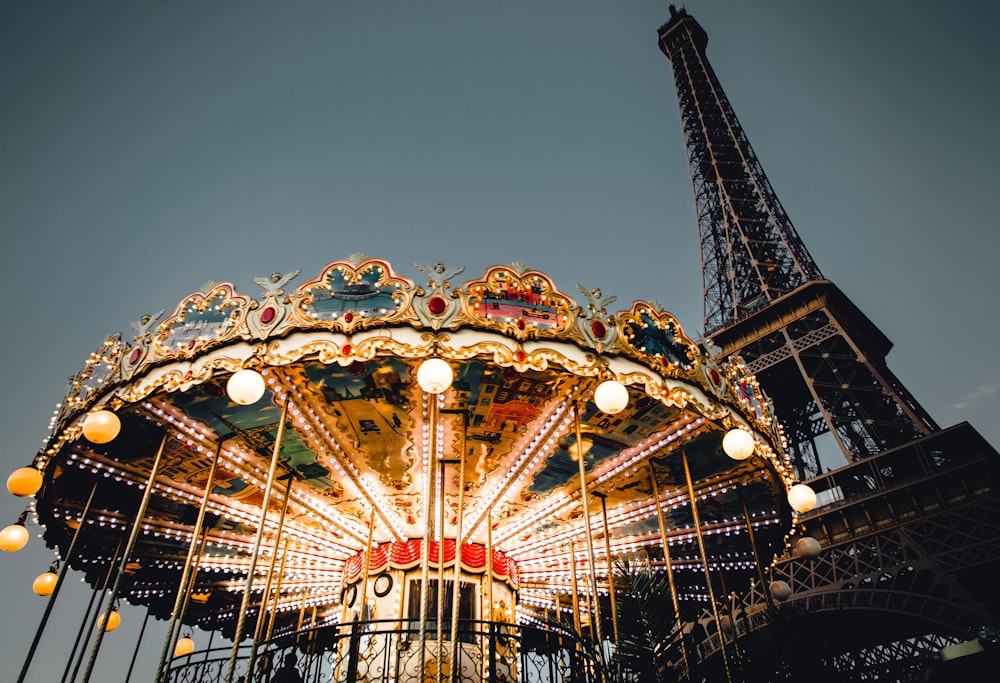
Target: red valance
[[406, 555]]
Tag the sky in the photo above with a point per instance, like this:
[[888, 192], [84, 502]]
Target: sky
[[146, 148]]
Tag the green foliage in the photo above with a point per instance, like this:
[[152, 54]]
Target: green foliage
[[646, 621]]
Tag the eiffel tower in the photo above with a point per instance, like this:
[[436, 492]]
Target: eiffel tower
[[910, 526]]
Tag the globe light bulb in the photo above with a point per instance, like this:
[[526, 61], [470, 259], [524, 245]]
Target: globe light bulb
[[45, 583], [109, 621], [24, 481], [101, 426], [807, 547], [435, 376], [738, 444], [13, 538], [780, 590], [801, 498], [611, 397], [245, 387], [185, 646]]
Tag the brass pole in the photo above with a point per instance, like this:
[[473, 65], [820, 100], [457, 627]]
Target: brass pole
[[670, 570], [425, 550], [168, 642], [136, 528], [456, 590], [607, 552], [489, 566], [302, 614], [704, 564], [264, 597], [343, 603], [368, 562], [277, 591], [577, 622], [83, 635], [192, 578], [191, 581], [245, 603], [585, 502], [439, 619], [59, 582], [756, 558]]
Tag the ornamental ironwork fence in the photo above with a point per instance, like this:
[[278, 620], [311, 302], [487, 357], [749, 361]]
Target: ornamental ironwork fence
[[389, 651]]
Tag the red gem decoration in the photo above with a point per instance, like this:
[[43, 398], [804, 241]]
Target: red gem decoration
[[520, 356], [598, 328], [716, 378], [346, 349], [268, 314], [437, 305], [134, 357], [520, 324], [348, 317]]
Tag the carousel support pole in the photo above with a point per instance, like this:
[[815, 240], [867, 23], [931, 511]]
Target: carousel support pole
[[264, 598], [367, 568], [577, 617], [83, 635], [611, 573], [353, 641], [577, 621], [312, 639], [585, 502], [136, 528], [704, 564], [425, 550], [170, 640], [489, 566], [59, 582], [756, 557], [277, 592], [489, 596], [456, 581], [245, 603], [189, 588], [302, 614], [135, 652], [439, 618], [670, 571], [84, 629], [607, 553]]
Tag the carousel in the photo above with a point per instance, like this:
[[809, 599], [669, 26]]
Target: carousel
[[362, 477]]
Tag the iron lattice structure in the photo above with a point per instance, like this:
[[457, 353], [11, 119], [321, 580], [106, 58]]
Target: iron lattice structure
[[822, 359], [910, 526], [751, 254]]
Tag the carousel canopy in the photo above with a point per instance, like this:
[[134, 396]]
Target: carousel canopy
[[363, 444]]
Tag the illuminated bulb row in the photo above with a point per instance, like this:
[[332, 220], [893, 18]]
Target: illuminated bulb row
[[529, 467], [342, 466], [645, 448], [250, 515], [676, 536], [314, 428], [547, 431], [636, 453]]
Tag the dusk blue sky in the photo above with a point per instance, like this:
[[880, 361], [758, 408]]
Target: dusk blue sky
[[146, 148]]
